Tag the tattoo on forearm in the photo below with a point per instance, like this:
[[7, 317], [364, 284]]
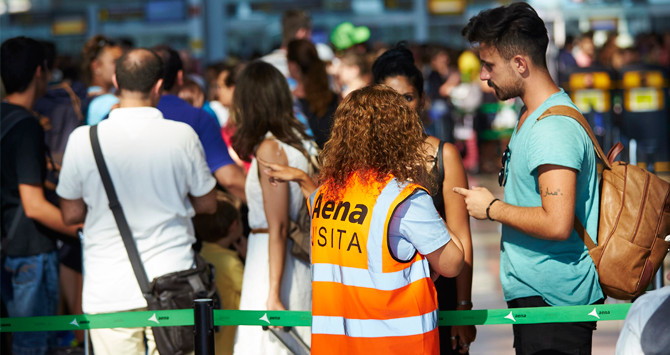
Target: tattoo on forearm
[[546, 192]]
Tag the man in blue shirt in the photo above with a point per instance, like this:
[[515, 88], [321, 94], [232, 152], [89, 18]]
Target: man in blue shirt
[[550, 178], [227, 173]]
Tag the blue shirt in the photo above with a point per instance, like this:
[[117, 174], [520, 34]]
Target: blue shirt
[[99, 108], [561, 272], [208, 130], [416, 225]]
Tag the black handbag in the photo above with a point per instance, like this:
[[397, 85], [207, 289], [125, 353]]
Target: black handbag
[[176, 290]]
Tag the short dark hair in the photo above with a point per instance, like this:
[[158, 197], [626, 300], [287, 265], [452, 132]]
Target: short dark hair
[[397, 61], [19, 58], [213, 227], [172, 64], [292, 21], [138, 70], [513, 29]]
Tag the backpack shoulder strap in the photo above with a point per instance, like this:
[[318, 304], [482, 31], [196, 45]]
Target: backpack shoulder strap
[[562, 110], [11, 120], [577, 116]]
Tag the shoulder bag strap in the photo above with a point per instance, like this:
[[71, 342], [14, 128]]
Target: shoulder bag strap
[[568, 111], [13, 227], [120, 218]]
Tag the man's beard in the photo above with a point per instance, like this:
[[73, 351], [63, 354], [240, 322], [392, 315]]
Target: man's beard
[[507, 93]]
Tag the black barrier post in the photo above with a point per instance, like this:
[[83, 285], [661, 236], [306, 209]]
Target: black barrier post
[[203, 318]]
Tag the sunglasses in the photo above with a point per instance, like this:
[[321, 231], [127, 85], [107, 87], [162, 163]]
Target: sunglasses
[[102, 43], [502, 175]]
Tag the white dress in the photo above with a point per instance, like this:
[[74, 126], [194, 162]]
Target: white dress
[[296, 286]]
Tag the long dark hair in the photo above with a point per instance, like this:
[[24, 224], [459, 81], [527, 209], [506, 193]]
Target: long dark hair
[[262, 103], [314, 75]]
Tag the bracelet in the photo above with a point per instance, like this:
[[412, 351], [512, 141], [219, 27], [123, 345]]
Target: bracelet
[[465, 303], [489, 208]]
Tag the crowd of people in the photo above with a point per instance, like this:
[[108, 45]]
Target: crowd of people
[[216, 163]]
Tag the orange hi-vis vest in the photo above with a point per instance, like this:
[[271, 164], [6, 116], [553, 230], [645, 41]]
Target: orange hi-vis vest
[[365, 300]]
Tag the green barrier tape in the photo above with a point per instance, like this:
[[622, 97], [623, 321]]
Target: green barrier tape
[[534, 315], [178, 317], [283, 318], [97, 321]]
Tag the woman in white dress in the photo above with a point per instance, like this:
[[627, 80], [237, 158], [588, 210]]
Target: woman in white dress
[[274, 279]]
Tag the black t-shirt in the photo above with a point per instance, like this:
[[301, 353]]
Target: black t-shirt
[[23, 155]]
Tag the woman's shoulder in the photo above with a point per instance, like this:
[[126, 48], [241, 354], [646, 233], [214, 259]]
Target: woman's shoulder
[[450, 154], [271, 150]]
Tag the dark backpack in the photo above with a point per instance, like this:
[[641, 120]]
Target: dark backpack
[[633, 222]]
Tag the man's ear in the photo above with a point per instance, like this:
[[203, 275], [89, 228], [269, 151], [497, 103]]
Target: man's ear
[[520, 64], [116, 85], [180, 78], [158, 88]]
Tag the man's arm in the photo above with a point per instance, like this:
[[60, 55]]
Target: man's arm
[[36, 207], [552, 221], [74, 211], [232, 178], [205, 204]]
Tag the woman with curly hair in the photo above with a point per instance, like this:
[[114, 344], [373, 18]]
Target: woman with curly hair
[[265, 128], [315, 99], [375, 232], [396, 69]]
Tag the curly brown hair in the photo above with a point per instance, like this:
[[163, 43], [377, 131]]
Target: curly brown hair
[[375, 134], [262, 103]]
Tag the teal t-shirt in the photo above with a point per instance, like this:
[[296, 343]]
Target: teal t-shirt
[[561, 272]]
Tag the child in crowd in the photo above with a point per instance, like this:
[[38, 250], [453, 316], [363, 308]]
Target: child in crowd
[[219, 232], [192, 93]]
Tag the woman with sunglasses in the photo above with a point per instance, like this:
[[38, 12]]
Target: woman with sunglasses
[[99, 57]]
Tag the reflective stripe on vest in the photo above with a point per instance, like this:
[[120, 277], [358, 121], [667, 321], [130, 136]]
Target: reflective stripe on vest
[[361, 292]]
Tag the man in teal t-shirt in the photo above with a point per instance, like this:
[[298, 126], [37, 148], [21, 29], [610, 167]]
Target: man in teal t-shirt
[[550, 178]]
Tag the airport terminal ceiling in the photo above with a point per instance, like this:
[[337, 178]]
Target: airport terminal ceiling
[[213, 29]]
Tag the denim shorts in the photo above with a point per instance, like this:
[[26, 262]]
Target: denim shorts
[[30, 289]]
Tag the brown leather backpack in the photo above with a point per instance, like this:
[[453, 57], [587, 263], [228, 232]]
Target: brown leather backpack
[[633, 223]]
